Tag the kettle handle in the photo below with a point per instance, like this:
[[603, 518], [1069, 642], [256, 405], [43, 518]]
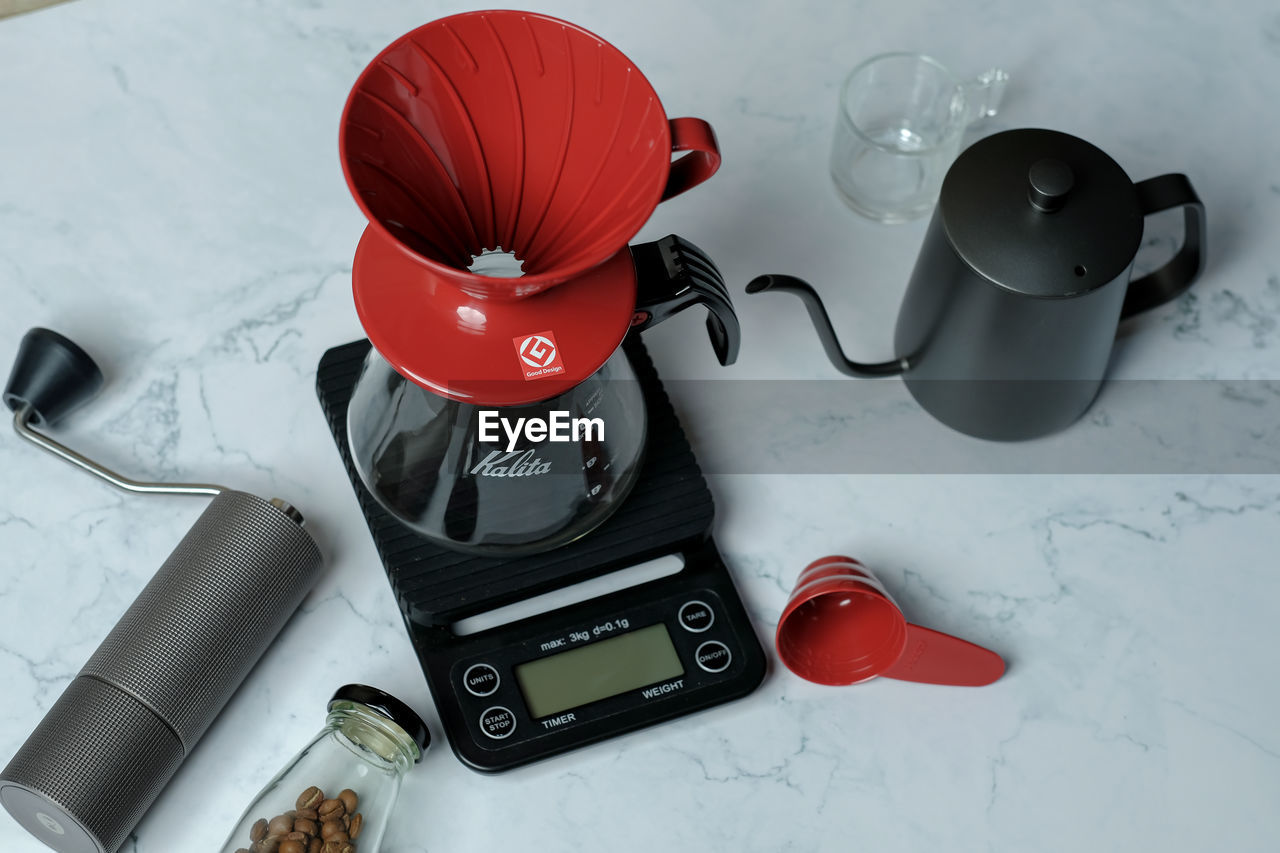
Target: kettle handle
[[671, 275], [1156, 288]]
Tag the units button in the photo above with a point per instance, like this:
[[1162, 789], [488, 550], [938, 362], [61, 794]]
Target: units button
[[480, 679], [498, 722], [713, 656], [696, 616]]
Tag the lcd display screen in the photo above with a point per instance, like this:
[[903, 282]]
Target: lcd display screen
[[599, 670]]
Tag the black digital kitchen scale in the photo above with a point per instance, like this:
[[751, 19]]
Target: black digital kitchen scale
[[583, 672]]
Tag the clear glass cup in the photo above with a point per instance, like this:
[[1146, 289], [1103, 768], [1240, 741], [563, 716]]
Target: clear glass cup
[[369, 741], [898, 128]]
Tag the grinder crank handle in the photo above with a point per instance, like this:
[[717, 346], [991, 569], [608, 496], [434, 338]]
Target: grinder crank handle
[[52, 376], [671, 275]]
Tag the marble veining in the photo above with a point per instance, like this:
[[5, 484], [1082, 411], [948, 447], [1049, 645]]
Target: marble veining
[[171, 199]]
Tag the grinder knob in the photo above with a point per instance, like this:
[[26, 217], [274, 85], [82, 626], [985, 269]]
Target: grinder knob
[[52, 375]]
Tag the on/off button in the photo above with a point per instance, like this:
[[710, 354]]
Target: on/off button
[[713, 656]]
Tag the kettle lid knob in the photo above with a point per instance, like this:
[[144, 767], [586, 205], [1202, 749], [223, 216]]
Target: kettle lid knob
[[1048, 183]]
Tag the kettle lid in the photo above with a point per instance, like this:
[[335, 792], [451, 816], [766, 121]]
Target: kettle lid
[[1041, 213]]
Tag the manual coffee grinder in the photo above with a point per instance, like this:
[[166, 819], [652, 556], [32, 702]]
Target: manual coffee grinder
[[503, 427]]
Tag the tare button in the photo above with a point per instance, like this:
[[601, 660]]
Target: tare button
[[696, 616], [498, 722], [713, 656]]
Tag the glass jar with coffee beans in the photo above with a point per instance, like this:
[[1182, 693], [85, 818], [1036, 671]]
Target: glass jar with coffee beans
[[336, 795]]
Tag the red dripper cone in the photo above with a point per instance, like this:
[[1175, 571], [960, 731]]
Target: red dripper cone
[[513, 131]]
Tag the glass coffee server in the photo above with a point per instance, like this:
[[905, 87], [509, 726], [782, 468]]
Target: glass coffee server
[[552, 470]]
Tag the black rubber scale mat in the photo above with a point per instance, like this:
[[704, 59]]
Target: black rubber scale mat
[[669, 505]]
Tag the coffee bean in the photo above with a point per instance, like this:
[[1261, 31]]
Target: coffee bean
[[310, 798], [333, 831], [331, 810], [317, 825]]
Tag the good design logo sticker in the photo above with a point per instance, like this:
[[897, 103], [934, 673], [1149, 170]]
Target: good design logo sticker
[[539, 355]]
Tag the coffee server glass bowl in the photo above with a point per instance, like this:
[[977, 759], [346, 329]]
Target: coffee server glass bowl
[[550, 472], [337, 794]]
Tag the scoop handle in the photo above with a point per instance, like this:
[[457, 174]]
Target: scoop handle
[[932, 657]]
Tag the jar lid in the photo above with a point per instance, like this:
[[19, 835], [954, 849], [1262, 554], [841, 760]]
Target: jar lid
[[1041, 213], [388, 706]]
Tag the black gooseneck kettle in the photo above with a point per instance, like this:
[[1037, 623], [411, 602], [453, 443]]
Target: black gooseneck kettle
[[1008, 321]]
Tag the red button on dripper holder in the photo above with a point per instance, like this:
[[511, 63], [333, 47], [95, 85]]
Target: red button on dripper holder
[[841, 626]]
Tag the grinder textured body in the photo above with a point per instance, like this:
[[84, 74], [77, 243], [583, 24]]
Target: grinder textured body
[[107, 747]]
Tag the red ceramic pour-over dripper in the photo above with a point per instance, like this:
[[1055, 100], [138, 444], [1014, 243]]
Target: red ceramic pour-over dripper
[[841, 627], [511, 130]]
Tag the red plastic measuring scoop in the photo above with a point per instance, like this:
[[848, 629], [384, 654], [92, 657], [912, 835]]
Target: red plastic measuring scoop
[[841, 626]]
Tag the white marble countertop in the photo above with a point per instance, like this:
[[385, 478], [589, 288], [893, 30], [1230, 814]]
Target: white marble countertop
[[170, 197]]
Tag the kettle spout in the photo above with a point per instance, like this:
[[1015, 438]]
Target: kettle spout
[[822, 323]]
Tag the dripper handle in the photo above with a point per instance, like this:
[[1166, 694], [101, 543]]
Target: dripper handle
[[673, 274], [983, 94], [703, 160]]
